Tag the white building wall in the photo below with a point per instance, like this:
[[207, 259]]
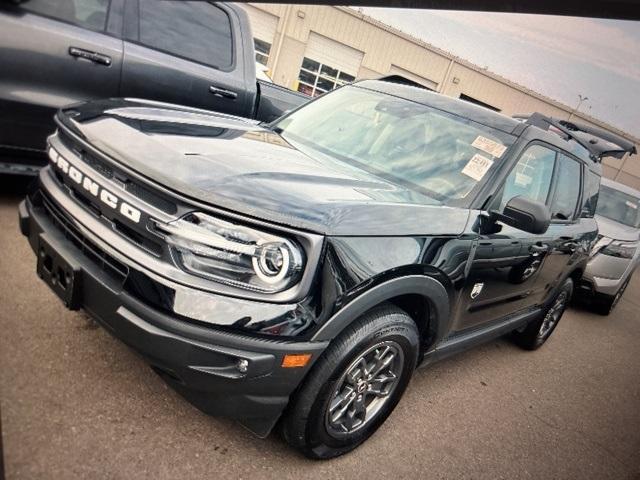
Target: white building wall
[[385, 50]]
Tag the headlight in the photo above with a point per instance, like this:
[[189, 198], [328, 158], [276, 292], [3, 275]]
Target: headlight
[[233, 254], [618, 248]]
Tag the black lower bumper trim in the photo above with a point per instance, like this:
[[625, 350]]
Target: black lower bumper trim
[[23, 218]]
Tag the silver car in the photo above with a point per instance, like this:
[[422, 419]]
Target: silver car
[[615, 254]]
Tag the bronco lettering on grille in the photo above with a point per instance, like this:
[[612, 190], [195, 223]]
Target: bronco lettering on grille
[[95, 189]]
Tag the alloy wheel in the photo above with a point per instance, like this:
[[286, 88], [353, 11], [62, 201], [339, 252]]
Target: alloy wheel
[[618, 296], [364, 388], [553, 315]]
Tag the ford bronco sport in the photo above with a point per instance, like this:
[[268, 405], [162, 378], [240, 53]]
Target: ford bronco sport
[[300, 270]]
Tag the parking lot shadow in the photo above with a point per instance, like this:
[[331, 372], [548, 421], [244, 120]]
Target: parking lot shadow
[[13, 187]]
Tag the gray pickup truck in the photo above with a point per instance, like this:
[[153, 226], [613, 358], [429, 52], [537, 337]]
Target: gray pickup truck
[[57, 52]]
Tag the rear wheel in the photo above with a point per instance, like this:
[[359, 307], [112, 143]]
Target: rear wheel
[[355, 385], [538, 331]]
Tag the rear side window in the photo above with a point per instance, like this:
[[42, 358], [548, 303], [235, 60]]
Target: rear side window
[[90, 14], [531, 177], [197, 31], [591, 191], [567, 193]]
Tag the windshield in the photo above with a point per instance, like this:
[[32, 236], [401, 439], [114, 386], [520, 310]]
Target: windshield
[[436, 153], [618, 206]]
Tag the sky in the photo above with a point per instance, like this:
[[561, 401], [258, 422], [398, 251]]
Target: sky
[[560, 57]]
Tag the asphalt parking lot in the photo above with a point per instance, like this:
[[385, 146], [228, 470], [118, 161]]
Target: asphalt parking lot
[[76, 403]]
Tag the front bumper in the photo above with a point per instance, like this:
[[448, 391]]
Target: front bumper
[[201, 362], [605, 274]]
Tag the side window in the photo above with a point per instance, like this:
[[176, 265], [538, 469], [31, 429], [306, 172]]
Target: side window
[[197, 31], [90, 14], [591, 191], [531, 177], [567, 193]]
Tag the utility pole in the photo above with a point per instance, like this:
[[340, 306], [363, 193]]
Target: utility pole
[[581, 99]]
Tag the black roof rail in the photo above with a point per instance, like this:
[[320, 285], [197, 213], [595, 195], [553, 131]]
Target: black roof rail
[[395, 78], [598, 142]]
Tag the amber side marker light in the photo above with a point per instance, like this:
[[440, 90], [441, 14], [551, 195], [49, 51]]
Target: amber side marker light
[[296, 360]]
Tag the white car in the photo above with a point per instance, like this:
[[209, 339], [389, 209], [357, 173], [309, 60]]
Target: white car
[[616, 254]]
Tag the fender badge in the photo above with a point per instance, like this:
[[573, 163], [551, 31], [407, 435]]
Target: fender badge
[[477, 288]]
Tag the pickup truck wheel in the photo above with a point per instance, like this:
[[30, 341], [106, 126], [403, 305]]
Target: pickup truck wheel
[[538, 331], [354, 386]]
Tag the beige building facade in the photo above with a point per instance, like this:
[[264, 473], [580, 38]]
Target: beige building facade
[[315, 48]]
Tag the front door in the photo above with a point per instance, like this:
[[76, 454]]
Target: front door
[[566, 234], [503, 272]]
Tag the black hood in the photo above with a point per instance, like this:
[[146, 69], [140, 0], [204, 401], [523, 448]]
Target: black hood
[[238, 165]]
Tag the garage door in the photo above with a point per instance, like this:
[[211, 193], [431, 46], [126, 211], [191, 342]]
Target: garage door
[[327, 64], [334, 54], [395, 70], [263, 24]]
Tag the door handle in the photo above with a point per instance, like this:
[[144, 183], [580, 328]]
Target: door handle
[[222, 93], [94, 57], [539, 248]]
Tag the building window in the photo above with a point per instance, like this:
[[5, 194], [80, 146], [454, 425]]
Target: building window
[[262, 51], [469, 99], [316, 78]]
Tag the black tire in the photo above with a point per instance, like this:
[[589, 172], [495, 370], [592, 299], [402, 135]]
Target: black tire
[[605, 304], [538, 331], [307, 425]]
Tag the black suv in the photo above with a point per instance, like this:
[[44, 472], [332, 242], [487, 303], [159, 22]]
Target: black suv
[[301, 270]]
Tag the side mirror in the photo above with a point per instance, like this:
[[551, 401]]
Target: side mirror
[[524, 214]]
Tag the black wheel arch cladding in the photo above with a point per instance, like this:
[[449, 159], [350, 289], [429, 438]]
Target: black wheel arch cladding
[[428, 287]]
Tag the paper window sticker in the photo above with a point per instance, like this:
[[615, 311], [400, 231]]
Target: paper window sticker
[[477, 167], [489, 146]]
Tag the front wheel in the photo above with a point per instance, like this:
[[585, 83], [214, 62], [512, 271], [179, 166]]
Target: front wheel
[[538, 331], [355, 385], [604, 304]]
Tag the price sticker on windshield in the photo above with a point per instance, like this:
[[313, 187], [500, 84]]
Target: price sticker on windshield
[[477, 167], [489, 146]]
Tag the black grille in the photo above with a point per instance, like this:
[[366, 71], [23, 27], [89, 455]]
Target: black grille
[[107, 171], [106, 262], [98, 165], [150, 197]]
